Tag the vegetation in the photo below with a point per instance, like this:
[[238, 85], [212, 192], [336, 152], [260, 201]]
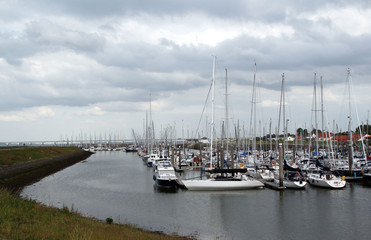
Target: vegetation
[[366, 129], [27, 219], [12, 156]]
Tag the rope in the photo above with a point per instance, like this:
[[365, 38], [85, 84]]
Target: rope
[[203, 110]]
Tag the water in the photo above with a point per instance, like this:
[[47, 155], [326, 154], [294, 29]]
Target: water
[[118, 185]]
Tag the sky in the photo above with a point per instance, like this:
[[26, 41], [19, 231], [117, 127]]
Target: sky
[[101, 69]]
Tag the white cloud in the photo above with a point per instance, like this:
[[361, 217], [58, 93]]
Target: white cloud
[[45, 111], [29, 114], [95, 110], [195, 29], [11, 118], [351, 20]]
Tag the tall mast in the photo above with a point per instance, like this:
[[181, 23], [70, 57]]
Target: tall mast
[[284, 115], [322, 118], [270, 136], [253, 115], [280, 112], [212, 113], [150, 123], [350, 127], [315, 111], [226, 112]]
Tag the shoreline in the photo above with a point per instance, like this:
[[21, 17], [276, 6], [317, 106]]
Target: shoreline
[[14, 178]]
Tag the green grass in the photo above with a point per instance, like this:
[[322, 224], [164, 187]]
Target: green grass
[[12, 156], [27, 219]]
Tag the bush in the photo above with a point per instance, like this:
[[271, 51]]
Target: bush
[[109, 220]]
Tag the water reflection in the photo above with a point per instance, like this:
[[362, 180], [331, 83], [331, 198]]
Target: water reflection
[[160, 189]]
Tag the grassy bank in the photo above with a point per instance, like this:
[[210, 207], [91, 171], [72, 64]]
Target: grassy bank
[[26, 219], [20, 167], [12, 156]]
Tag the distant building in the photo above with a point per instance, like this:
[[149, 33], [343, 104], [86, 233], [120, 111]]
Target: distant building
[[326, 136]]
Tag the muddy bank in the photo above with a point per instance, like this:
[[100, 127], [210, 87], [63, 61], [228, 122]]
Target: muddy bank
[[14, 178]]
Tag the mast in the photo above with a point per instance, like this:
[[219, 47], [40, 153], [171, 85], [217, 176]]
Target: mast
[[281, 146], [212, 113], [350, 155], [150, 124], [147, 140], [322, 118], [280, 111], [315, 111], [253, 116], [226, 112], [270, 136], [285, 121]]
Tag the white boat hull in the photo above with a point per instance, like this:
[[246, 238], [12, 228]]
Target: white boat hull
[[221, 185], [326, 181]]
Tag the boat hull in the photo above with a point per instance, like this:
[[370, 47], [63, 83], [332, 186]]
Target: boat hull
[[166, 183], [292, 184], [321, 181], [367, 179], [220, 185]]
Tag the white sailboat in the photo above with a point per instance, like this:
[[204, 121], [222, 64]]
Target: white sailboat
[[324, 177], [257, 172], [291, 177], [326, 180], [241, 182]]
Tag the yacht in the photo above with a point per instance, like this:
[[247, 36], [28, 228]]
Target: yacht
[[165, 175]]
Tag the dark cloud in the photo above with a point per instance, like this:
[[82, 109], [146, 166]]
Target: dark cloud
[[95, 53]]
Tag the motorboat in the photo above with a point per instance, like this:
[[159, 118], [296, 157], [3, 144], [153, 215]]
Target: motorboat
[[165, 174]]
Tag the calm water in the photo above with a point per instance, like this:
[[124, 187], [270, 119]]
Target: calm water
[[118, 185]]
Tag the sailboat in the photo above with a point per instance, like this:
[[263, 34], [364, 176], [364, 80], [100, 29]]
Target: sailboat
[[323, 177], [290, 177], [218, 183], [261, 172]]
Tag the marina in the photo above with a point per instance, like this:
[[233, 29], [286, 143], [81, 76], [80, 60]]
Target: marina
[[119, 185]]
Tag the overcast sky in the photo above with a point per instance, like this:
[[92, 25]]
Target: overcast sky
[[88, 67]]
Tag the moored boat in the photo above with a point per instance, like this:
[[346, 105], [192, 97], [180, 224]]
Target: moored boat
[[326, 180], [165, 175], [223, 184], [367, 178], [292, 180]]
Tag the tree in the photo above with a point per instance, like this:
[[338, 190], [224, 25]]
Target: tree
[[366, 129]]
